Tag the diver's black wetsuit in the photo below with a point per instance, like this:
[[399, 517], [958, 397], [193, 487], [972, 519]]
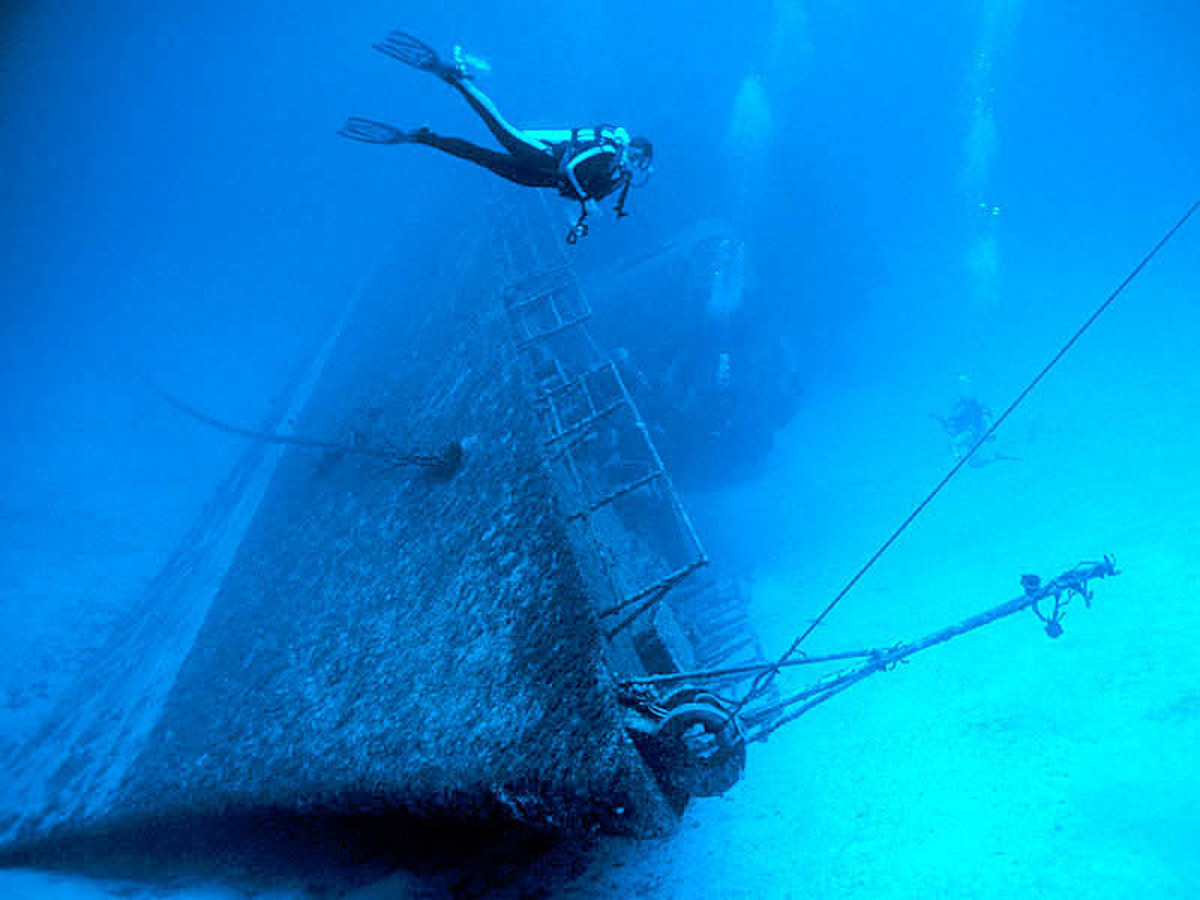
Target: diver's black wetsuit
[[583, 164]]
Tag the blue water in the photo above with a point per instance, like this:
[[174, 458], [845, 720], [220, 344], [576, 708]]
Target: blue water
[[932, 198]]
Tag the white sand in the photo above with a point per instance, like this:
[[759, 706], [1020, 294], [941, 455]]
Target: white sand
[[1003, 764]]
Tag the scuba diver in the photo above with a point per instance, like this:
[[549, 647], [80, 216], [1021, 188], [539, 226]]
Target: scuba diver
[[582, 164], [969, 424]]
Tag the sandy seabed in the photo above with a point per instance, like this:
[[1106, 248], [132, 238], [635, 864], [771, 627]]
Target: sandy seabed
[[1003, 764]]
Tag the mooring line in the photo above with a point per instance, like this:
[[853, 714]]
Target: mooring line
[[764, 679]]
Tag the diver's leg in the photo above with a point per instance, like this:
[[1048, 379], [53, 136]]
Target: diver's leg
[[371, 132], [539, 172], [414, 52], [511, 138]]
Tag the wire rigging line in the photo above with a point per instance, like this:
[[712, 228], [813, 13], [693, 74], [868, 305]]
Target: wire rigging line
[[446, 462], [764, 679]]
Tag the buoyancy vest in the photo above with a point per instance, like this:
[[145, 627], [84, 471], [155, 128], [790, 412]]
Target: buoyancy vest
[[591, 165]]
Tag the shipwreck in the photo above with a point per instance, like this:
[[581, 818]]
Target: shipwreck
[[476, 595]]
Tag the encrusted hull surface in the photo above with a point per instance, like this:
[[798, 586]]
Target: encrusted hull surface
[[383, 639]]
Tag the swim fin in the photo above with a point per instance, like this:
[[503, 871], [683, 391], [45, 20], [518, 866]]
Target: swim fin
[[416, 53], [371, 132]]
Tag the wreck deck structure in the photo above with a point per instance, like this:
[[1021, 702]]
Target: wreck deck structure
[[342, 636]]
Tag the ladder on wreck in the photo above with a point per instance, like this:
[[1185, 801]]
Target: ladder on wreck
[[599, 449]]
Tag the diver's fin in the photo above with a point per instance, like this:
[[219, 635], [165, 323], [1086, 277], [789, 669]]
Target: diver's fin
[[371, 132], [416, 53]]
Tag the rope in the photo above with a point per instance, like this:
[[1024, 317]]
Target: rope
[[445, 462], [764, 679]]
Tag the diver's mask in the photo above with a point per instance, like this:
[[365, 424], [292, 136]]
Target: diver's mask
[[634, 161], [639, 159], [635, 154]]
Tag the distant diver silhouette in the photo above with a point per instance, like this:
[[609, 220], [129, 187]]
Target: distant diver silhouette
[[969, 427], [582, 164]]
